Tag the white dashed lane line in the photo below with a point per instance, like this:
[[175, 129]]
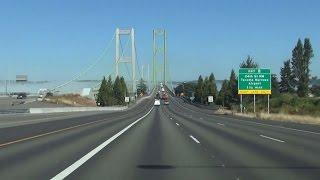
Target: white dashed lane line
[[177, 124], [194, 139], [274, 139], [220, 124]]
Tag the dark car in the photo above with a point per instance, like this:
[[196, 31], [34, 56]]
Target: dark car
[[22, 96]]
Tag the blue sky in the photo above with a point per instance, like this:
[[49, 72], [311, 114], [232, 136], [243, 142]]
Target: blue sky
[[55, 40]]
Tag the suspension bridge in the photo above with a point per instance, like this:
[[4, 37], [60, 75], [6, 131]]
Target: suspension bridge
[[127, 63]]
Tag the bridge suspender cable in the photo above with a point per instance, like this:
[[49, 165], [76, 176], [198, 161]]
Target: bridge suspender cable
[[137, 60], [89, 68], [123, 50]]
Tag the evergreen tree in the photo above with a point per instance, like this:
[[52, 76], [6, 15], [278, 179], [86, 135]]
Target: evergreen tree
[[142, 87], [123, 87], [117, 91], [101, 96], [274, 85], [205, 89], [303, 88], [249, 63], [188, 88], [224, 94], [233, 82], [178, 90], [287, 78], [301, 58], [315, 90], [109, 92], [212, 86], [296, 61], [199, 90]]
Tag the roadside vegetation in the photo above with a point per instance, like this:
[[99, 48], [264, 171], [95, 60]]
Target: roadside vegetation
[[296, 93], [141, 88], [112, 93], [71, 100]]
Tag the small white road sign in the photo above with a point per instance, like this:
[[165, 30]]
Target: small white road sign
[[210, 99]]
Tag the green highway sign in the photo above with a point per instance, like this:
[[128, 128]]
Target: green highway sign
[[254, 81]]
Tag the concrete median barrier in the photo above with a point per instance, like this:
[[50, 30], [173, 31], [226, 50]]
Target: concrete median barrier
[[75, 109]]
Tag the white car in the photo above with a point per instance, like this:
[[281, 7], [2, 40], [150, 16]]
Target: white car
[[157, 102]]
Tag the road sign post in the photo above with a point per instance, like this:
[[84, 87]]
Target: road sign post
[[241, 103], [127, 100], [268, 104], [254, 103], [254, 81]]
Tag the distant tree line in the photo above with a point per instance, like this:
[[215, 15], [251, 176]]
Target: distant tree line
[[112, 93], [205, 88], [228, 93], [315, 89], [295, 79], [186, 88]]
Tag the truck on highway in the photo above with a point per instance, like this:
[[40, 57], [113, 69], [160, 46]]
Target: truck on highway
[[41, 94], [165, 99]]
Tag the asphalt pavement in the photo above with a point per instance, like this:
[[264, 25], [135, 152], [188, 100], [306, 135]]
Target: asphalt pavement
[[175, 141]]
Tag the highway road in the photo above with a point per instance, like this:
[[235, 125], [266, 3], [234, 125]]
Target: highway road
[[177, 141], [12, 105]]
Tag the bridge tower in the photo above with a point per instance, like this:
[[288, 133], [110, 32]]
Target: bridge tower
[[159, 49], [129, 59]]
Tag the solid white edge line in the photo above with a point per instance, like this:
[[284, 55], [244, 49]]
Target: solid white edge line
[[85, 158], [195, 139], [177, 124], [274, 139]]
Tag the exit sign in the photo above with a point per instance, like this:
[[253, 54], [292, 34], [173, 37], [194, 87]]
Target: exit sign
[[254, 81]]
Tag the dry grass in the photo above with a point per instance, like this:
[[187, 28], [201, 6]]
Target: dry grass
[[223, 111], [71, 100], [303, 119]]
